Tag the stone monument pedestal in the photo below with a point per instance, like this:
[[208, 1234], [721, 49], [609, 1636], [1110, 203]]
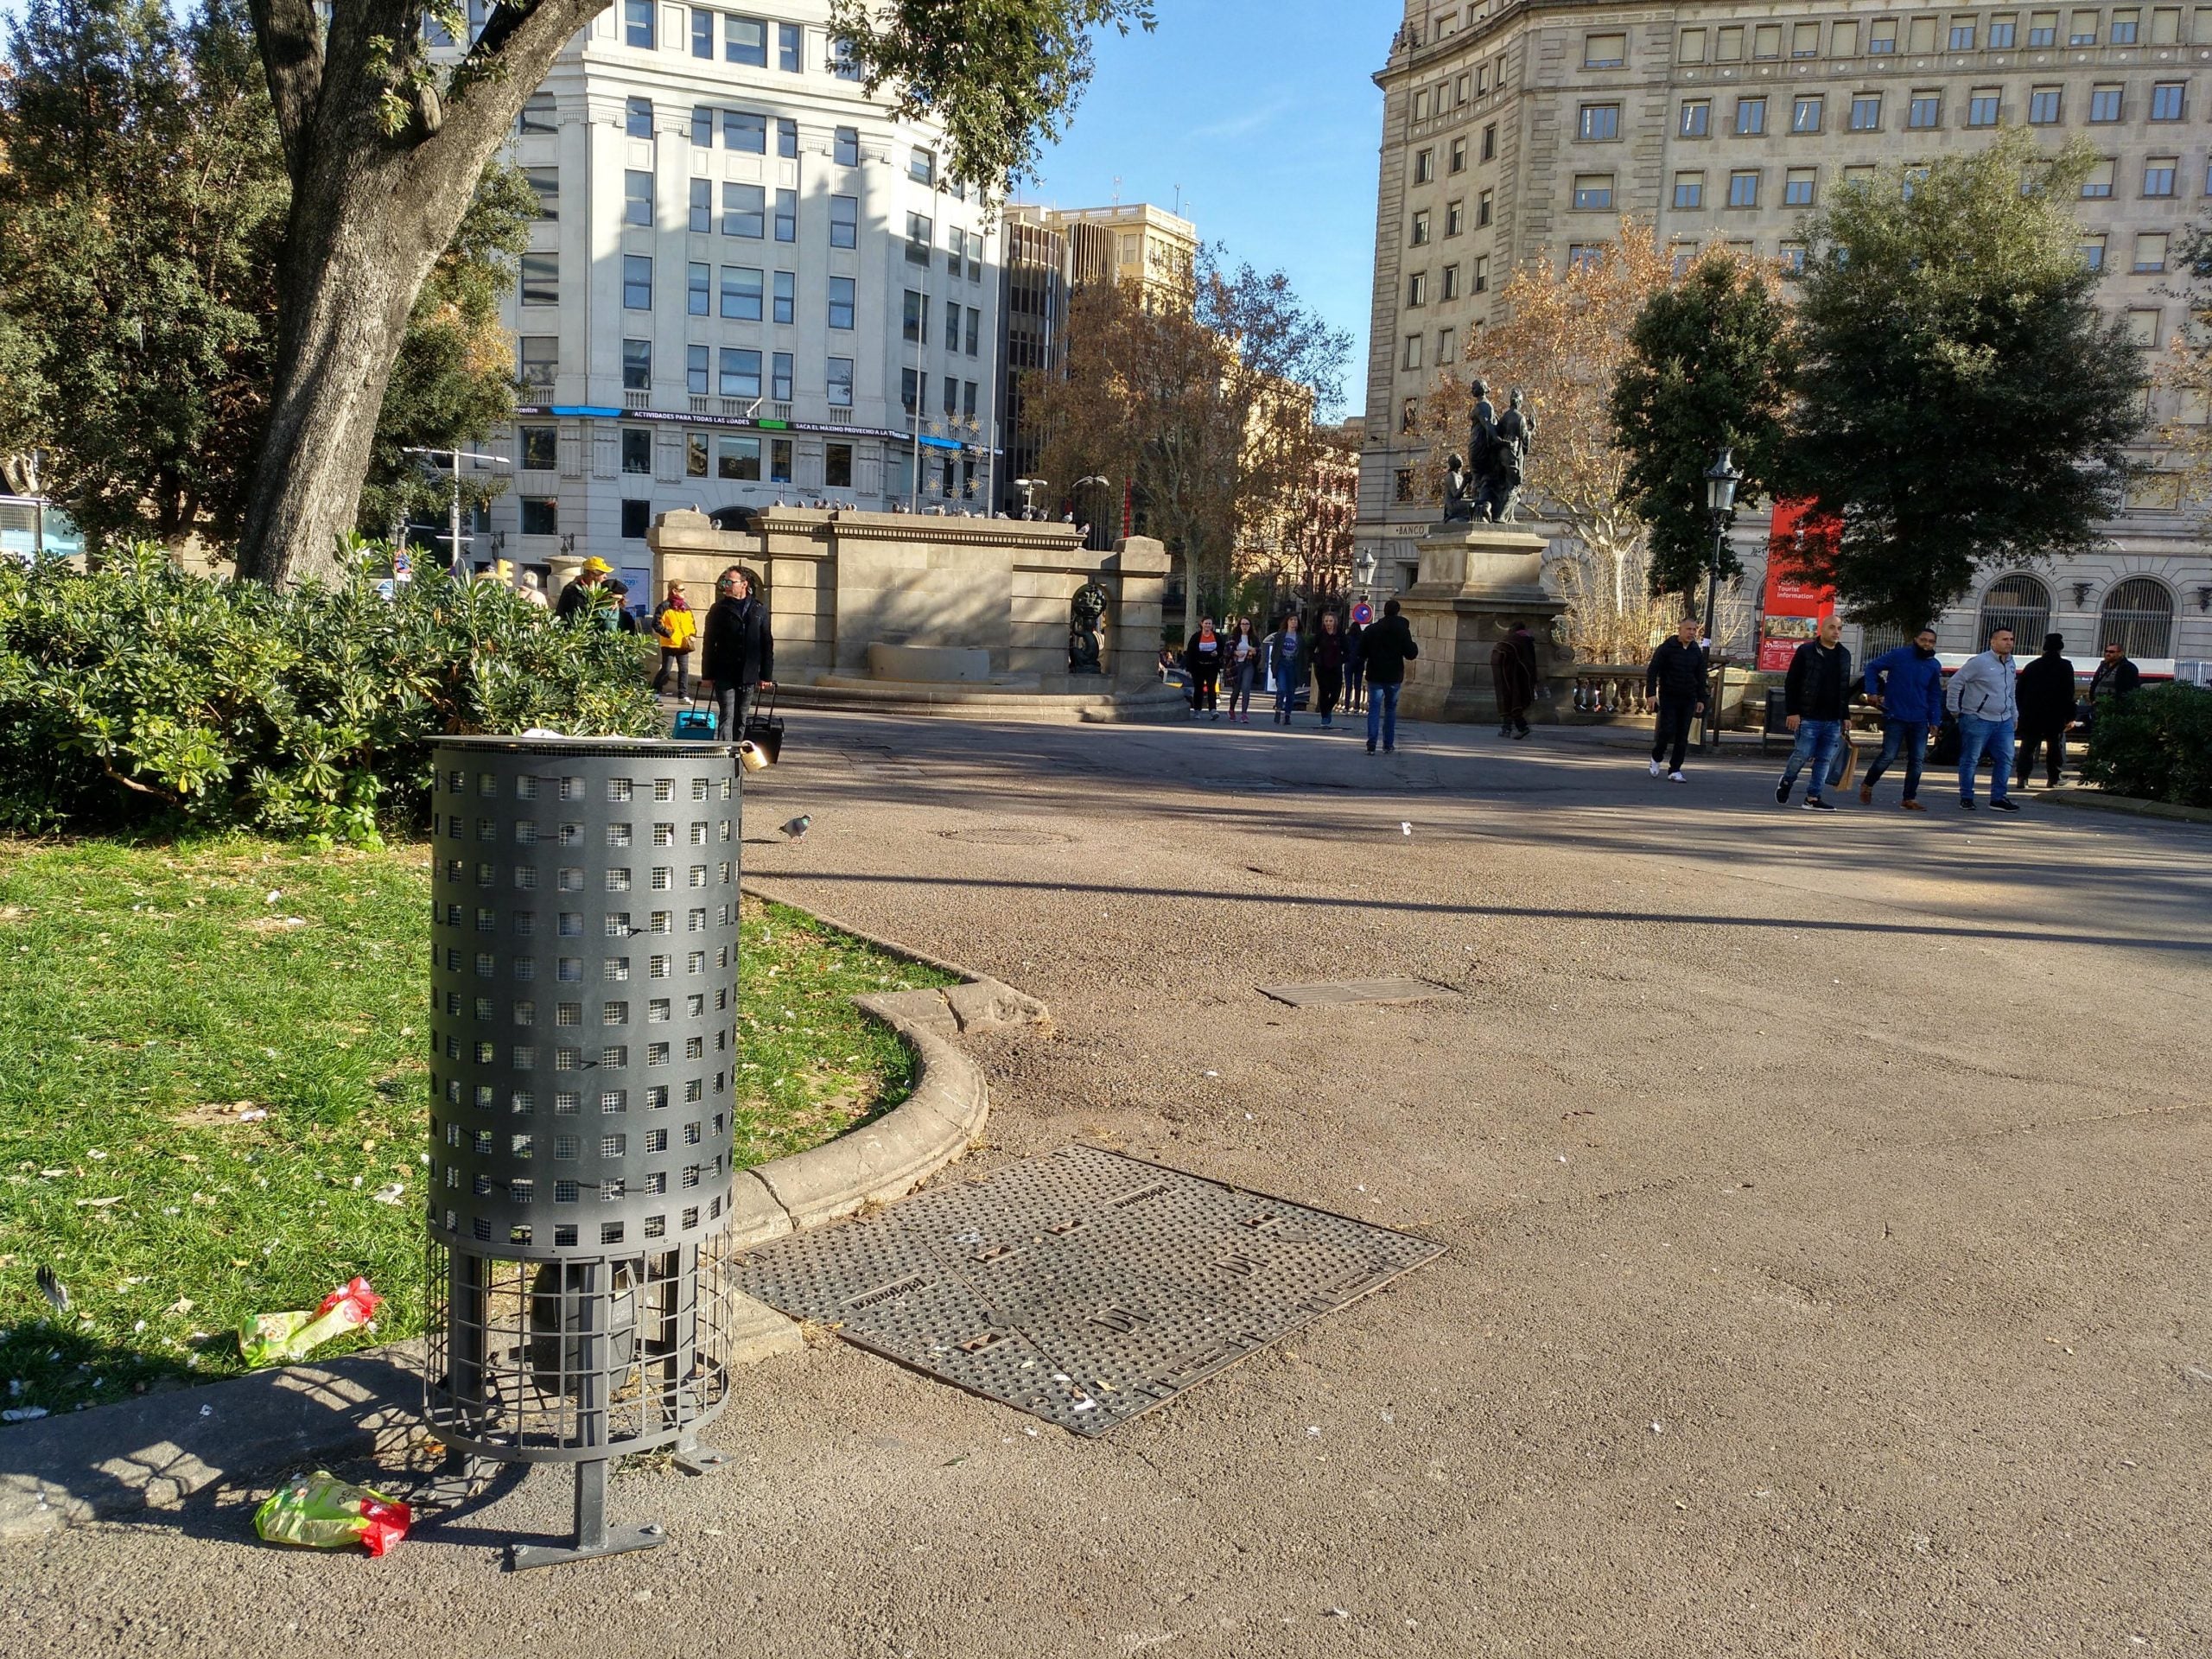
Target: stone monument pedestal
[[1475, 582]]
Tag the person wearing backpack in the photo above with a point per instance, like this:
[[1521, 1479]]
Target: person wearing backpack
[[676, 629]]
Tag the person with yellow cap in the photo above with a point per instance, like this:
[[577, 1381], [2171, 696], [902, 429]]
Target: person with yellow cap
[[580, 597]]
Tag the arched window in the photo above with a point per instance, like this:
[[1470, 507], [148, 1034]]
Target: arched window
[[2138, 617], [1875, 639], [2020, 602]]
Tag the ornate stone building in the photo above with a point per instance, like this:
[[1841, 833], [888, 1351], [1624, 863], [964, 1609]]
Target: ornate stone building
[[1525, 129]]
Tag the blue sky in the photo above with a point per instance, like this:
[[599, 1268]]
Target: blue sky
[[1266, 115]]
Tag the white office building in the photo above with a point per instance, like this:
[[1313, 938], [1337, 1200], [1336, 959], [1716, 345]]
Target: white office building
[[747, 284]]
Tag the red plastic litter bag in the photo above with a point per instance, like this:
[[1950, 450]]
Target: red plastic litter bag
[[319, 1511]]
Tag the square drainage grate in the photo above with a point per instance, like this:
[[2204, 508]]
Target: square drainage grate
[[1334, 992], [1083, 1287]]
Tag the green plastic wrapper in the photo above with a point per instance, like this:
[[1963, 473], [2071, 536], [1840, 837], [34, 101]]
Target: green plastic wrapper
[[319, 1511], [276, 1339]]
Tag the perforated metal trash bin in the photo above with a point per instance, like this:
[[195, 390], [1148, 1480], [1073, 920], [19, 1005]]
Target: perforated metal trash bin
[[583, 1053]]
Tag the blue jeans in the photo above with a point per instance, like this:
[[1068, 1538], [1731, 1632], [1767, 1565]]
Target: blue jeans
[[1910, 738], [1382, 713], [1817, 741], [1285, 695], [1978, 737]]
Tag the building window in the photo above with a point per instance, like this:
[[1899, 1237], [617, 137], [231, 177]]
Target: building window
[[1689, 190], [541, 278], [1751, 116], [921, 231], [538, 449], [537, 113], [540, 356], [1728, 45], [2138, 616], [2150, 250], [737, 458], [638, 116], [1482, 206], [637, 197], [1490, 142], [1482, 274], [1805, 114], [973, 346], [1424, 166], [1600, 121], [1417, 289], [638, 24], [744, 211], [1412, 357], [1418, 238], [541, 516], [695, 372], [637, 366], [845, 146], [637, 282], [1982, 107], [1766, 40], [2158, 175], [637, 518], [1455, 219], [841, 63], [1409, 416], [2165, 26], [785, 298], [2043, 28], [921, 165], [741, 292], [698, 284], [844, 221], [739, 373], [545, 184], [1585, 256], [1798, 185], [2166, 101], [2002, 31], [1793, 258], [700, 216], [702, 32], [837, 463], [914, 323], [952, 326], [1805, 41], [1457, 160], [1882, 37], [841, 302], [1914, 173], [2104, 104], [2124, 25], [2093, 253], [787, 138], [1744, 189], [745, 40], [1866, 112], [746, 130], [2081, 29], [1697, 117], [1593, 191], [702, 126], [2045, 106], [780, 377], [2099, 182], [2143, 328], [1926, 110], [1604, 51], [1450, 288], [1962, 34], [840, 383], [791, 49], [636, 449], [913, 387], [1691, 48], [786, 215]]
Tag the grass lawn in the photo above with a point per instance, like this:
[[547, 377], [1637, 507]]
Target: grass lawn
[[212, 1098]]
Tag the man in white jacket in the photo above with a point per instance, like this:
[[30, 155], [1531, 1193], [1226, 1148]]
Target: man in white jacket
[[1984, 696]]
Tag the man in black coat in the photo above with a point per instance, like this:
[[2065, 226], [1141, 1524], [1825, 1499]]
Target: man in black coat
[[2116, 676], [1817, 696], [1386, 648], [1676, 677], [2046, 699], [737, 654]]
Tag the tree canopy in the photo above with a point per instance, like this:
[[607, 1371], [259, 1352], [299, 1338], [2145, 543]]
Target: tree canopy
[[1963, 401]]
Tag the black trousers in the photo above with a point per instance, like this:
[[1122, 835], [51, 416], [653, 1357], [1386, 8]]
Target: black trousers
[[2053, 741], [733, 709], [1328, 685], [1205, 689], [681, 662], [1670, 734]]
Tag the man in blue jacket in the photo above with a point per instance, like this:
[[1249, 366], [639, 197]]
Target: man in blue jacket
[[1907, 685]]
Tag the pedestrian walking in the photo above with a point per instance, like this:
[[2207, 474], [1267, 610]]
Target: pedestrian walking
[[1816, 701], [1328, 659], [676, 629], [1676, 676], [1356, 662], [1513, 675], [737, 652], [1388, 646], [1907, 685], [581, 597], [1203, 659], [1243, 669], [2046, 698], [1985, 695], [1286, 663]]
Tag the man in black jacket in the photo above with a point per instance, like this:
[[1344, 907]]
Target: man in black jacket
[[2046, 698], [1676, 677], [737, 653], [1816, 699], [1386, 648], [2116, 676]]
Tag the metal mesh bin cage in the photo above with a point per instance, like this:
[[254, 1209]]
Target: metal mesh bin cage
[[583, 992]]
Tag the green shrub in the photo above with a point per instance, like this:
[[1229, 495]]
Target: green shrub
[[2155, 745], [140, 693]]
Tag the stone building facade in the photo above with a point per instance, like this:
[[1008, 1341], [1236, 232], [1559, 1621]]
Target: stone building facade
[[1520, 129]]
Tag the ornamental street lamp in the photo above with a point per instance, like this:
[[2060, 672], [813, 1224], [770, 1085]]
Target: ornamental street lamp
[[1093, 481], [1720, 481]]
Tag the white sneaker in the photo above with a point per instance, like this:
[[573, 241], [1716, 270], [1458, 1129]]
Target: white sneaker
[[1656, 768], [1676, 778]]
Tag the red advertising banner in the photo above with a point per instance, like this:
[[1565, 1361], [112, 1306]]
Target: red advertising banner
[[1791, 608]]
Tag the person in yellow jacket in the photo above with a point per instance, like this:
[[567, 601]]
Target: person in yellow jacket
[[677, 629]]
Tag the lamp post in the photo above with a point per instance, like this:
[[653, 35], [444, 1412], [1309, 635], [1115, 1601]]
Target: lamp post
[[453, 531], [1720, 481], [1100, 481]]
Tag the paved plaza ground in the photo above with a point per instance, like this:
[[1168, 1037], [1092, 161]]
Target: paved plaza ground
[[1825, 1198]]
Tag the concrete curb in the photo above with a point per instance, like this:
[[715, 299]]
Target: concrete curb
[[2128, 803], [154, 1453]]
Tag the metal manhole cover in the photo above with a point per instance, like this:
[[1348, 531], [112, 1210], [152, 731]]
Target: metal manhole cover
[[1357, 990], [1083, 1287], [1008, 837]]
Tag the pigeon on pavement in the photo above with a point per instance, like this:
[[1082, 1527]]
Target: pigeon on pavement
[[796, 828]]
